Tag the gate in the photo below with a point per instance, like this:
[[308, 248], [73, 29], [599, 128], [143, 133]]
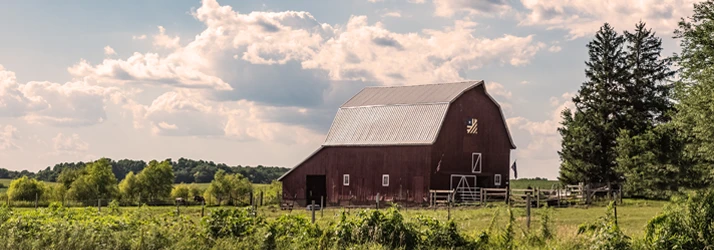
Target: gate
[[465, 188]]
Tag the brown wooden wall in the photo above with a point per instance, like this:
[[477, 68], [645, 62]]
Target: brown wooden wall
[[407, 167], [457, 146]]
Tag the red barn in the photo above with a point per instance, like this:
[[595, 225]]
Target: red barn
[[401, 142]]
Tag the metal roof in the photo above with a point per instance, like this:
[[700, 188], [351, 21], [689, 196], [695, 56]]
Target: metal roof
[[387, 125], [414, 94]]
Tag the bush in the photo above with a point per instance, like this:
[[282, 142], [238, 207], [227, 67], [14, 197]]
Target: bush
[[26, 189], [229, 223], [684, 224], [605, 234]]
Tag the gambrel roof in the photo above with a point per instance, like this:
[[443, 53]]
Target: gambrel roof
[[402, 115]]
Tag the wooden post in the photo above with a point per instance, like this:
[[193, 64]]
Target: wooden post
[[377, 199], [312, 208], [261, 198], [203, 207], [99, 205], [322, 206], [537, 190], [251, 198], [177, 209], [36, 198], [508, 195], [448, 206], [587, 194], [528, 210]]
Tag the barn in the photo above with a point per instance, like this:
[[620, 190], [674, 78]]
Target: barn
[[397, 143]]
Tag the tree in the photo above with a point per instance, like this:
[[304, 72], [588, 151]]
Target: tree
[[228, 187], [129, 188], [180, 191], [695, 88], [597, 113], [647, 95], [97, 182], [25, 189], [156, 181]]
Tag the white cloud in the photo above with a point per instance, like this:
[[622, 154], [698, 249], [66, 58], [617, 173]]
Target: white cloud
[[109, 51], [139, 37], [8, 136], [186, 113], [448, 8], [584, 17], [69, 144], [525, 82], [392, 14], [541, 149], [497, 89], [555, 48], [416, 1], [374, 1], [164, 41], [356, 51], [69, 104]]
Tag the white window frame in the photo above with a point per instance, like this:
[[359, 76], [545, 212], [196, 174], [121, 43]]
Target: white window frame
[[385, 177], [345, 179], [476, 163], [497, 179]]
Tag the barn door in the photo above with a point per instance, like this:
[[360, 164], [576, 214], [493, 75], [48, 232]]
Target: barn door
[[465, 188], [418, 189]]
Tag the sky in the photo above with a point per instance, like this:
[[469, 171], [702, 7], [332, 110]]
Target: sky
[[248, 82]]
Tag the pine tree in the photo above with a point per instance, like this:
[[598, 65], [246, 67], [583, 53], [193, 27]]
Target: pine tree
[[592, 159], [647, 95]]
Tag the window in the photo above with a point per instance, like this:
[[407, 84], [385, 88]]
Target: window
[[497, 180], [346, 180], [385, 180], [476, 162]]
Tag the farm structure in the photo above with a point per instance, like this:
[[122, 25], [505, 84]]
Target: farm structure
[[400, 144]]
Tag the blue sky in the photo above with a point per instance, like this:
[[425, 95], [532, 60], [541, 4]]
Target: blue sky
[[258, 82]]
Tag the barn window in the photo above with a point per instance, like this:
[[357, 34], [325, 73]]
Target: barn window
[[476, 162], [346, 180], [497, 180], [385, 180]]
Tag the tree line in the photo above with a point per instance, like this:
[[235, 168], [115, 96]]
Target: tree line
[[185, 170], [154, 184], [644, 121]]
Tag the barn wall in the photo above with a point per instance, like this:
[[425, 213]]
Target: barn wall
[[407, 167], [492, 141]]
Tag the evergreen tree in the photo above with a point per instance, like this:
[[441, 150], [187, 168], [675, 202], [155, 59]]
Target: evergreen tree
[[646, 99], [597, 115]]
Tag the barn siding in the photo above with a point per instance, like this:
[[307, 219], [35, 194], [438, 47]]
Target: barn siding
[[365, 165], [492, 141]]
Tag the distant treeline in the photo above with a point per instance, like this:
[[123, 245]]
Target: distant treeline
[[185, 170]]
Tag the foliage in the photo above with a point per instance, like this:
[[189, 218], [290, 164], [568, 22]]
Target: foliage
[[229, 223], [228, 187], [684, 224], [26, 189], [96, 182], [695, 88], [156, 181], [129, 188], [604, 233]]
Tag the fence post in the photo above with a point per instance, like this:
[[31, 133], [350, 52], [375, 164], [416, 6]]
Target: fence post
[[99, 205], [322, 206], [251, 198], [377, 198], [448, 206], [528, 210], [261, 198], [203, 207], [508, 195], [177, 209], [312, 209], [537, 190], [36, 198]]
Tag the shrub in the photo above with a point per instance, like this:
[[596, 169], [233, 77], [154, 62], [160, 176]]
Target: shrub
[[26, 189], [605, 234], [684, 224], [229, 223]]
